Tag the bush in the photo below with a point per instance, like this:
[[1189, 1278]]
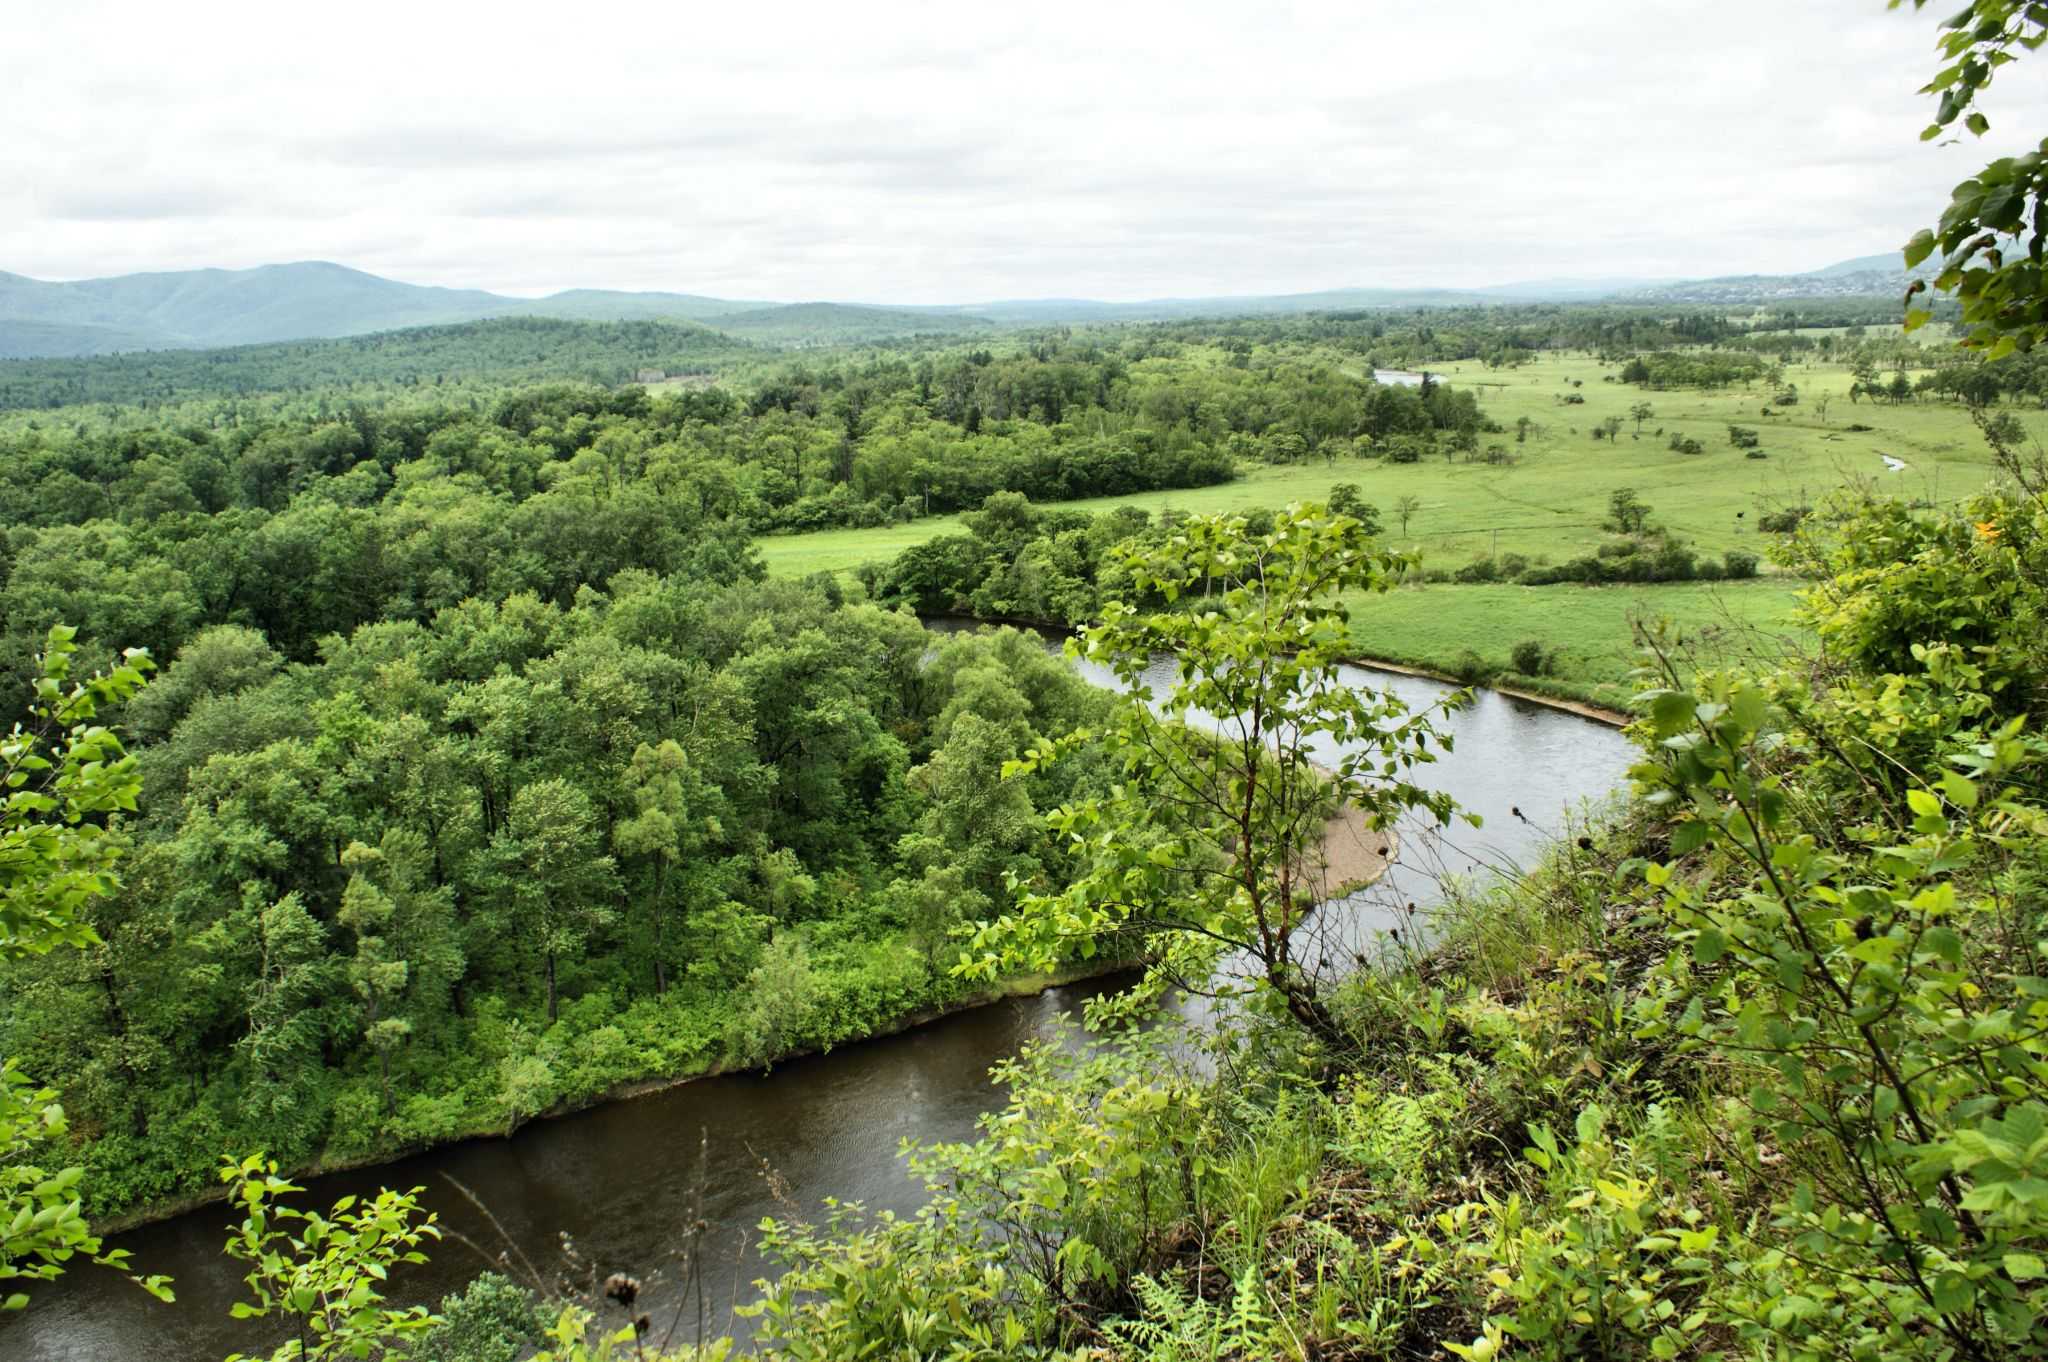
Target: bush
[[1739, 563], [1685, 444], [1479, 570], [1744, 437], [1531, 658], [490, 1320], [1783, 521], [1755, 454], [1472, 668]]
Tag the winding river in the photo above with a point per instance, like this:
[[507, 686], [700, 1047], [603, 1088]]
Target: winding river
[[623, 1180]]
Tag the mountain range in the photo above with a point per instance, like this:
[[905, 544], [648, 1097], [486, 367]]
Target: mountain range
[[186, 309]]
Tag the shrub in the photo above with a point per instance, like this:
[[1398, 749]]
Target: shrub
[[1472, 668], [1755, 454], [1782, 521], [1530, 658], [1479, 570], [1744, 437], [1740, 563], [490, 1320]]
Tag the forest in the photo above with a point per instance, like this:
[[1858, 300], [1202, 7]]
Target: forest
[[415, 743]]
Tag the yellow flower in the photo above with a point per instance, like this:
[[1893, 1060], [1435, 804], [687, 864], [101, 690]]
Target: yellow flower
[[1987, 531]]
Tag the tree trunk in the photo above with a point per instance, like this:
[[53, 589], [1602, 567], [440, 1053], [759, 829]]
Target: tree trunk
[[384, 1073], [551, 988]]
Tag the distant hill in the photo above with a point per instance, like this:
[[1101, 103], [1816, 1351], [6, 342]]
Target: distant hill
[[307, 300], [1057, 311], [27, 339], [495, 352], [1891, 262], [189, 309], [1868, 276]]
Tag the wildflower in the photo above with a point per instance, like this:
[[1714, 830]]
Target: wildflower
[[1988, 531]]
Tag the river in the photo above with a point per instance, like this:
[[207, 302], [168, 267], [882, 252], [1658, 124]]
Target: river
[[622, 1180]]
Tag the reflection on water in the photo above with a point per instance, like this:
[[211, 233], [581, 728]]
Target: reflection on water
[[625, 1179]]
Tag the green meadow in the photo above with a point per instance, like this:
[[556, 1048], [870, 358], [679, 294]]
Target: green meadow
[[1588, 631], [1547, 502]]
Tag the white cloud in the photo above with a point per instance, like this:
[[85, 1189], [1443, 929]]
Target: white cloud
[[924, 152]]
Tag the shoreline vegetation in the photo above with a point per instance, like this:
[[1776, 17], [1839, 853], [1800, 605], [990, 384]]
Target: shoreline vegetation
[[1022, 986], [1347, 862]]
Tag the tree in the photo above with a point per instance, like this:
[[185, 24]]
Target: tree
[[1820, 407], [974, 820], [67, 780], [288, 1015], [1626, 511], [1404, 507], [1203, 850], [658, 829], [781, 996], [1993, 212], [377, 973], [550, 860], [1639, 413]]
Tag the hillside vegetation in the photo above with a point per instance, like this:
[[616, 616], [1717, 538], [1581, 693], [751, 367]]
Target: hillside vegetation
[[483, 356]]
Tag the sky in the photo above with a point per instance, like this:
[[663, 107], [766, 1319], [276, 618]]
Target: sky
[[942, 153]]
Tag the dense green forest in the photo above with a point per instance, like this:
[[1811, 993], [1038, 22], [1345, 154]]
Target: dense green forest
[[453, 874]]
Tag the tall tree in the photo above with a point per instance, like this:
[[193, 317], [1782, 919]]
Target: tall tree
[[1203, 850], [377, 972], [551, 864]]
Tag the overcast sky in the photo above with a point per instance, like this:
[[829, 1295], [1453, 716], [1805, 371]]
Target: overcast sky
[[910, 152]]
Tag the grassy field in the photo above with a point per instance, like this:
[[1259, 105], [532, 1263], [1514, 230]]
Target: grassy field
[[1549, 501], [1553, 499], [1587, 628]]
